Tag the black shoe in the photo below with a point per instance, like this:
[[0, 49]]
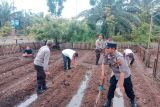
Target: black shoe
[[133, 103], [45, 87], [40, 91], [65, 69], [107, 104]]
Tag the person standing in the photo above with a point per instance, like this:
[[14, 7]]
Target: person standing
[[41, 66], [99, 47], [69, 56], [129, 56], [121, 74]]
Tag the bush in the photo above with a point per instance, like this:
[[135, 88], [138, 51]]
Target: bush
[[6, 29], [155, 38], [119, 38]]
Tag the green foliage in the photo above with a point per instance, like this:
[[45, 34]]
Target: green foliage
[[119, 38], [141, 33], [154, 38], [6, 29], [61, 29], [117, 20], [92, 2], [6, 9], [55, 7]]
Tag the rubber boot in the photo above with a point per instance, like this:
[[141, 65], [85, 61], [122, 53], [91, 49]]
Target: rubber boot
[[108, 103], [39, 90], [133, 103]]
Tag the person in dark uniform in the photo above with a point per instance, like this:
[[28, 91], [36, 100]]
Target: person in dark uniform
[[28, 52], [99, 47], [121, 74]]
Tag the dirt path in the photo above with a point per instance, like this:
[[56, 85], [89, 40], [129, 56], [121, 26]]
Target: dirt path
[[146, 88]]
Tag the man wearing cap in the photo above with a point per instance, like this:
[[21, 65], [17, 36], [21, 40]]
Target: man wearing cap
[[129, 56], [41, 66], [121, 74], [99, 47], [69, 56]]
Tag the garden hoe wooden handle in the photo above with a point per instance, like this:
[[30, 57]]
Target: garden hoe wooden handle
[[98, 97], [100, 92]]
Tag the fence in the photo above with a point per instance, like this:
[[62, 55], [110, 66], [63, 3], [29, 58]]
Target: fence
[[156, 69], [151, 58], [145, 56], [14, 48], [89, 46]]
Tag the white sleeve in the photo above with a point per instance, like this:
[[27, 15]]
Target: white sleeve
[[46, 60], [124, 51]]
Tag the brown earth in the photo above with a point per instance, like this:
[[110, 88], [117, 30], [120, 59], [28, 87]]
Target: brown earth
[[18, 81]]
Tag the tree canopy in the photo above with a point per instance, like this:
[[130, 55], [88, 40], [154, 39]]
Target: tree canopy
[[126, 20], [55, 7]]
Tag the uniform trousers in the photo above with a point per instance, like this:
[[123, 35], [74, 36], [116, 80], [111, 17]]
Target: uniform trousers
[[127, 86]]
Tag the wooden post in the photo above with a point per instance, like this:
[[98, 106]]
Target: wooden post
[[20, 48], [34, 45], [156, 60]]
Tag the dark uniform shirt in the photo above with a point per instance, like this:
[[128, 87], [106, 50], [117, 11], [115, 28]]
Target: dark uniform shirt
[[117, 68], [28, 51]]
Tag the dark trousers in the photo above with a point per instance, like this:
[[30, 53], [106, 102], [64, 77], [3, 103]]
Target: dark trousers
[[131, 56], [127, 86], [41, 76], [132, 61], [67, 62], [97, 55]]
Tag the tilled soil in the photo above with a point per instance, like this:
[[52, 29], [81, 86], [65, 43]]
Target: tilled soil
[[146, 88], [62, 90], [4, 61], [18, 81]]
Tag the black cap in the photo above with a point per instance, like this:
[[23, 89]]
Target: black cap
[[111, 45]]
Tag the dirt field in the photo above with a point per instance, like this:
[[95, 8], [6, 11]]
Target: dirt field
[[18, 81]]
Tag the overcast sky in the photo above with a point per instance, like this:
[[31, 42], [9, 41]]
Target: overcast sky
[[71, 7]]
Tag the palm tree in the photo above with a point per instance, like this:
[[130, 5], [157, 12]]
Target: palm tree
[[6, 11], [115, 15]]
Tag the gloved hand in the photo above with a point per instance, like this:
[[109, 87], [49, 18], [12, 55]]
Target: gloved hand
[[101, 88]]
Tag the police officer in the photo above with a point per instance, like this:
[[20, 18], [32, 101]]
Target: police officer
[[129, 56], [121, 74], [99, 47]]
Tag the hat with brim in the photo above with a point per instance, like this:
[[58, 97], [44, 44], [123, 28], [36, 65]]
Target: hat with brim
[[111, 45]]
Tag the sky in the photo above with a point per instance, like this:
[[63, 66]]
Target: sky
[[71, 7]]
